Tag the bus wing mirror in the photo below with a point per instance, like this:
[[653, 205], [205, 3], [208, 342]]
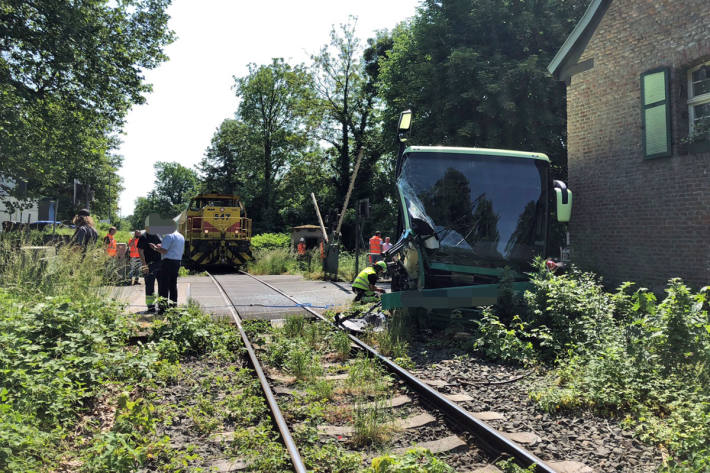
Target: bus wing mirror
[[563, 197]]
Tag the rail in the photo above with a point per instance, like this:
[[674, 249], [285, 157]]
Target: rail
[[278, 417], [492, 440]]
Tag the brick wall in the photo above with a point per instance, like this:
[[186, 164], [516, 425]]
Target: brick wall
[[638, 219]]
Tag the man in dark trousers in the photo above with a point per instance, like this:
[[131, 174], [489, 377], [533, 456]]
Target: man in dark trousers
[[150, 263], [171, 250]]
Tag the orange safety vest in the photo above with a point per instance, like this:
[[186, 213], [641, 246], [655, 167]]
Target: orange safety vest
[[111, 248], [322, 250], [133, 247], [301, 248], [375, 245]]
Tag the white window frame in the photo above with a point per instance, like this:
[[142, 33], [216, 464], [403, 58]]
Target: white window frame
[[694, 100]]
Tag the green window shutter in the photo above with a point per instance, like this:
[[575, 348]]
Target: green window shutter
[[656, 113]]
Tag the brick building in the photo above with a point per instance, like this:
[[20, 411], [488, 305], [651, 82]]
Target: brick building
[[638, 108]]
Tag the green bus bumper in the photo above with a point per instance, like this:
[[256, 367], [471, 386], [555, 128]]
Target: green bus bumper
[[448, 298]]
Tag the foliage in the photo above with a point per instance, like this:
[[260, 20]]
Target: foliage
[[65, 348], [499, 341], [74, 72], [195, 333], [250, 154], [346, 99], [509, 466], [417, 460], [371, 424], [275, 261], [366, 378], [627, 354], [271, 241], [174, 186], [472, 85]]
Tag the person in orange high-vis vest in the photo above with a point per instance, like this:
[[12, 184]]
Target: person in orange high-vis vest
[[375, 248], [301, 247], [135, 258], [110, 242]]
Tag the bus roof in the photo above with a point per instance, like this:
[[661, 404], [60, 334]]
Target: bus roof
[[479, 151]]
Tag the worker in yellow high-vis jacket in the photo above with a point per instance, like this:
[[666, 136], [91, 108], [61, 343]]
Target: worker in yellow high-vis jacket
[[364, 283]]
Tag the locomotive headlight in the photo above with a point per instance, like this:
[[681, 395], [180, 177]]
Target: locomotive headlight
[[207, 231]]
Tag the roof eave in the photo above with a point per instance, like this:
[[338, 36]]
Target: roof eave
[[593, 10]]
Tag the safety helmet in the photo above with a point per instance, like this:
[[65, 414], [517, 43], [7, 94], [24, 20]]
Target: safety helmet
[[382, 265]]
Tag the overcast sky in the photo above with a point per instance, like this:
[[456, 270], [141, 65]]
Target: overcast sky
[[216, 39]]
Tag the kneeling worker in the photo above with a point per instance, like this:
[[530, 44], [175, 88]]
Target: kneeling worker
[[364, 284]]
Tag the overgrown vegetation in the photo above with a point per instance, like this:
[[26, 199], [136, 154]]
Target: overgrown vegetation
[[623, 354], [77, 391], [417, 460]]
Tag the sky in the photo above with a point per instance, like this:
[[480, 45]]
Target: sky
[[216, 39]]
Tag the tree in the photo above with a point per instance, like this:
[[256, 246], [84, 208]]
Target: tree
[[346, 99], [174, 184], [274, 110], [471, 84], [231, 163], [69, 72]]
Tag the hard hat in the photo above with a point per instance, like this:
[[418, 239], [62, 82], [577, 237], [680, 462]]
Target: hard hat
[[382, 265], [301, 239]]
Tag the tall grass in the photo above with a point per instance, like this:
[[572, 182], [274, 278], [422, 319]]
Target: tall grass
[[274, 261], [284, 261], [50, 271]]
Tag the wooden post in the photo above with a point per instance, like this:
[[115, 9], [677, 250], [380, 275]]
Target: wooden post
[[320, 219], [350, 191]]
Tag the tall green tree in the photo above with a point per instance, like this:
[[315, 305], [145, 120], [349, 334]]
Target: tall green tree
[[346, 99], [174, 186], [69, 72], [474, 73], [275, 109], [231, 164]]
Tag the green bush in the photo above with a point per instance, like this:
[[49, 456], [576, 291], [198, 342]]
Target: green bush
[[271, 241], [497, 341], [195, 333], [628, 355]]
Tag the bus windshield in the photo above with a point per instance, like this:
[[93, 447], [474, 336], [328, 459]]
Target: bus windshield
[[485, 211]]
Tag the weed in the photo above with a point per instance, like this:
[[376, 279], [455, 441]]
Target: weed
[[509, 466], [315, 334], [303, 363], [497, 341], [273, 261], [340, 343], [330, 458], [293, 327], [366, 378], [371, 425], [416, 460], [204, 415], [322, 390]]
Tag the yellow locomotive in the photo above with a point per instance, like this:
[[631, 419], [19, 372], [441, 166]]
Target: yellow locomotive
[[216, 231]]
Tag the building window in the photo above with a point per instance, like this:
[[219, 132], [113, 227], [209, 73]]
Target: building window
[[656, 113], [699, 102]]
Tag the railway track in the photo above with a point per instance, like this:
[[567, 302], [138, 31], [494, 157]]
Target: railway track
[[430, 412]]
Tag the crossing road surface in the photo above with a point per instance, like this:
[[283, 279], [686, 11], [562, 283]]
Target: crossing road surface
[[256, 301]]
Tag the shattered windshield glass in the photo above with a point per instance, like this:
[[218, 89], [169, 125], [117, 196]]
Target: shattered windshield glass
[[484, 210]]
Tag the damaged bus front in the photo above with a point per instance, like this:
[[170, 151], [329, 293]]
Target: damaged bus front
[[469, 215]]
